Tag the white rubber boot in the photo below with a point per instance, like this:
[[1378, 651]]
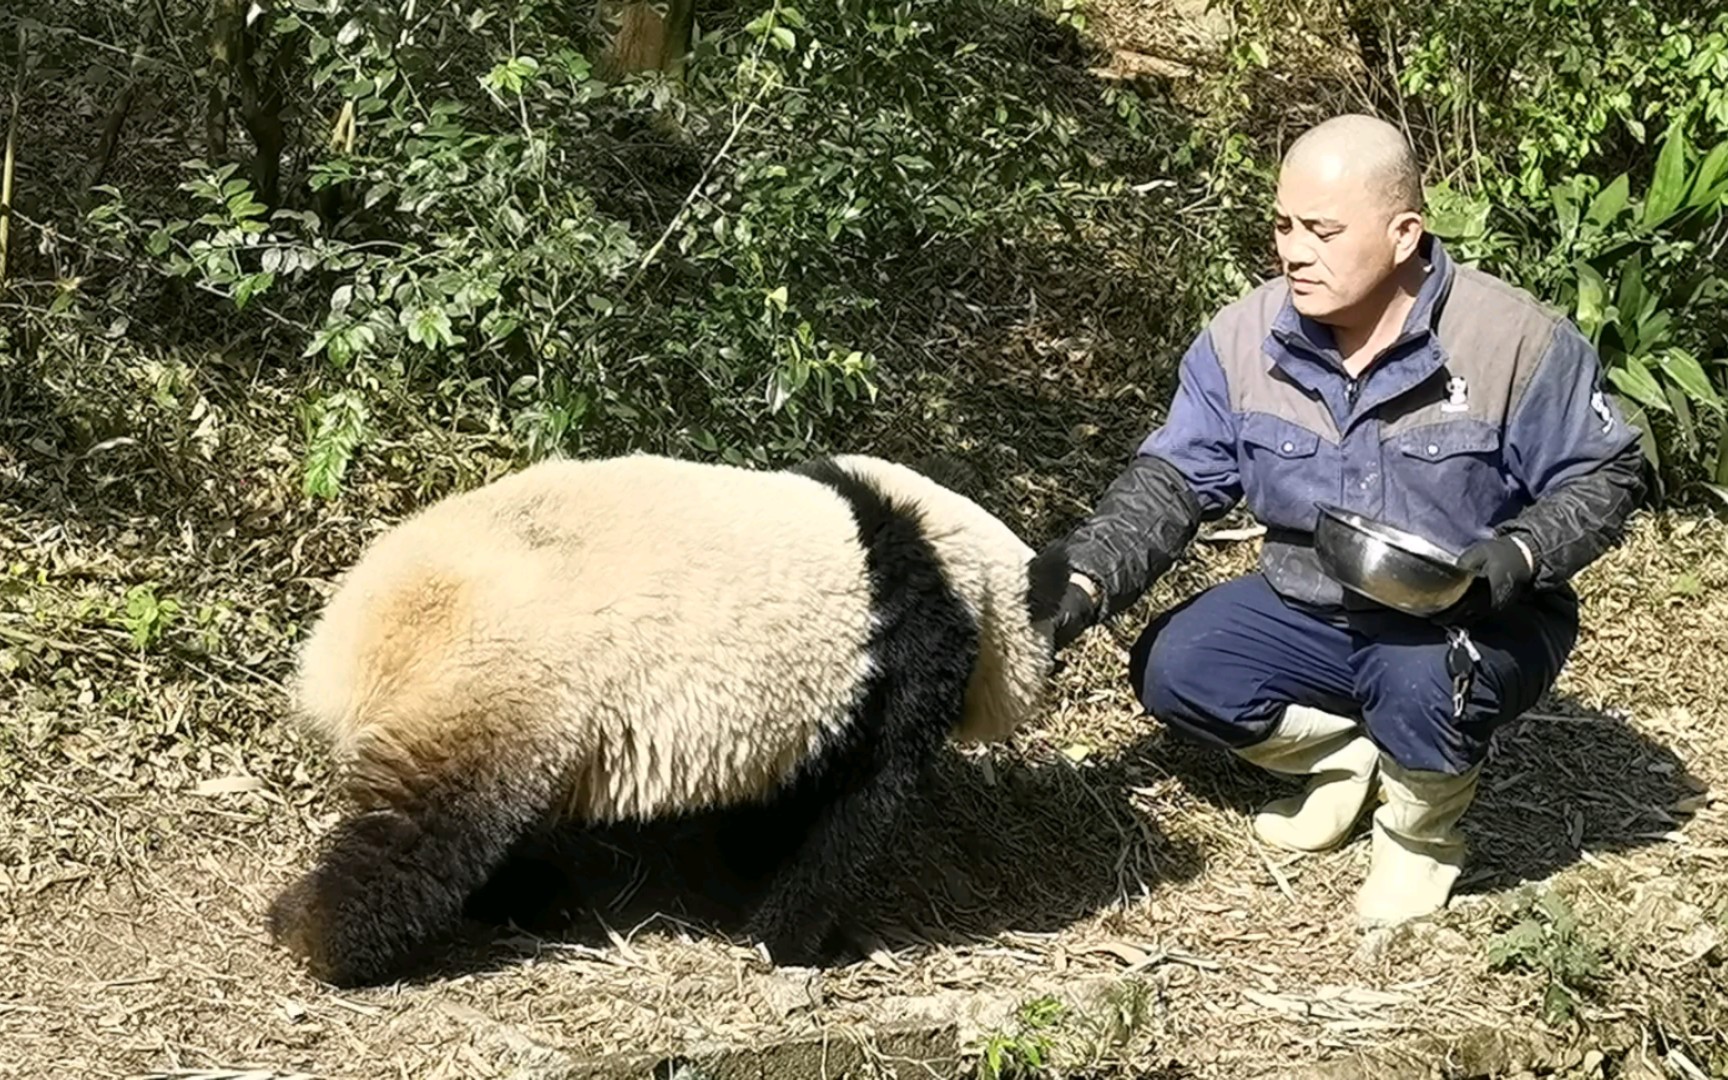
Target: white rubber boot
[[1341, 760], [1418, 849]]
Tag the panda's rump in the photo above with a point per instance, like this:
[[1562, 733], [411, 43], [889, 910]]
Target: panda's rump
[[417, 652], [662, 636]]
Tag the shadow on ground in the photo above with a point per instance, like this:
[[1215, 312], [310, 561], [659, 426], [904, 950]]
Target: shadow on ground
[[1008, 846], [1561, 780]]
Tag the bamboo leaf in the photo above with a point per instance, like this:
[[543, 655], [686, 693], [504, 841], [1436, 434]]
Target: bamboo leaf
[[1630, 298], [1640, 419], [1592, 292], [1711, 182], [1564, 195], [1682, 408], [1653, 331]]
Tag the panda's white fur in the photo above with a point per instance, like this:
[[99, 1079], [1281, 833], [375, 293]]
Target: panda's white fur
[[637, 637]]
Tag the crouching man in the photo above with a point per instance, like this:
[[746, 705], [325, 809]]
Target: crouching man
[[1378, 375]]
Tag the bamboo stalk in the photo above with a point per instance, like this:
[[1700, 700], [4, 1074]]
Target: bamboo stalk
[[6, 170]]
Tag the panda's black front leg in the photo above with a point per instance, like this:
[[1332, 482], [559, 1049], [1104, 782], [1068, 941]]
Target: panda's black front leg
[[855, 796], [796, 917]]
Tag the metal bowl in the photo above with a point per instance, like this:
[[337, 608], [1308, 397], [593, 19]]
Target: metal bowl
[[1388, 565]]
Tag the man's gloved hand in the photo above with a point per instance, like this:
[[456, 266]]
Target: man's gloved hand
[[1077, 613], [1503, 575]]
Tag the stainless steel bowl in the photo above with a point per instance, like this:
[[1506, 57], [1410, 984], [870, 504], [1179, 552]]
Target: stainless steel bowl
[[1388, 565]]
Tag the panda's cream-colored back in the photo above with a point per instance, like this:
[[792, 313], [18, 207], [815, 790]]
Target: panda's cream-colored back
[[986, 563], [658, 634]]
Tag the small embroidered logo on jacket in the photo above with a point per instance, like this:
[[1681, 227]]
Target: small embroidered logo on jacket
[[1600, 404], [1457, 395]]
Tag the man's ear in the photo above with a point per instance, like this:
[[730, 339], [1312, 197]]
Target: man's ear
[[1406, 229]]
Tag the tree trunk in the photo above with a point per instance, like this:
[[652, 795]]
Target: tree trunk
[[640, 36], [226, 23]]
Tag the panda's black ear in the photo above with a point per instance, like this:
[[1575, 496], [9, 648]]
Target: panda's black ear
[[947, 470], [1046, 581]]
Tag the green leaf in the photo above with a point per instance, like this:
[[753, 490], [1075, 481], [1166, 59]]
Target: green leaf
[[250, 286], [336, 426], [1683, 368], [1564, 195], [1631, 299], [428, 326], [1711, 181], [1454, 216], [1592, 292], [1557, 1004], [1637, 382], [1640, 419], [1653, 331], [1687, 430], [1609, 202], [1668, 186]]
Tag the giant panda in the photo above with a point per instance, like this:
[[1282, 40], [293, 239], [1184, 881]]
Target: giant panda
[[641, 637]]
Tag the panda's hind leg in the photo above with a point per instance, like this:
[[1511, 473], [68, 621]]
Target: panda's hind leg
[[396, 875]]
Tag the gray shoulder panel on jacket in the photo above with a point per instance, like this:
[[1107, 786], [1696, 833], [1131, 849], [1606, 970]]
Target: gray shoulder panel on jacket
[[1487, 325]]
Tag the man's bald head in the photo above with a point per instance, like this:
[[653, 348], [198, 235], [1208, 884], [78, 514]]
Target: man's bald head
[[1365, 150]]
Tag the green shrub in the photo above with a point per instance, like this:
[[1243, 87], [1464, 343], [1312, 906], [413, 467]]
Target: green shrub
[[1638, 270], [692, 268]]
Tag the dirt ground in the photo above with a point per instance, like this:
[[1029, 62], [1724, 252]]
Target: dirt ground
[[1089, 895]]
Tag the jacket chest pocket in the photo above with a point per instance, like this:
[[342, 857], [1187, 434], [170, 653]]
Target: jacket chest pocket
[[1448, 479], [1286, 469]]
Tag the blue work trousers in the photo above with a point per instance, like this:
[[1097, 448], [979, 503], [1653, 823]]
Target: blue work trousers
[[1221, 666]]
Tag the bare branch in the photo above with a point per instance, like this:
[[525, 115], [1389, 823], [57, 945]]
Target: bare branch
[[123, 104], [6, 170]]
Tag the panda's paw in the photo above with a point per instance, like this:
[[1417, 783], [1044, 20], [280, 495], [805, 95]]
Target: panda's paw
[[841, 947], [824, 943], [790, 942], [292, 922], [302, 921], [795, 952]]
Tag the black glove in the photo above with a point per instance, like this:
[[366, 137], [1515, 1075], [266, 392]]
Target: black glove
[[1076, 614], [1503, 575]]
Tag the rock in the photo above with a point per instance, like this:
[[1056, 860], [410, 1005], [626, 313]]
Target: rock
[[789, 990]]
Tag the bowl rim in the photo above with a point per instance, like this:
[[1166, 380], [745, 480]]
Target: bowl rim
[[1406, 543]]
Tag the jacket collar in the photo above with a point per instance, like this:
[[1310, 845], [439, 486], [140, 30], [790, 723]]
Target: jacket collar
[[1295, 330], [1306, 352]]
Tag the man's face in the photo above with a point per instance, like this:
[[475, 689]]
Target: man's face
[[1337, 242]]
